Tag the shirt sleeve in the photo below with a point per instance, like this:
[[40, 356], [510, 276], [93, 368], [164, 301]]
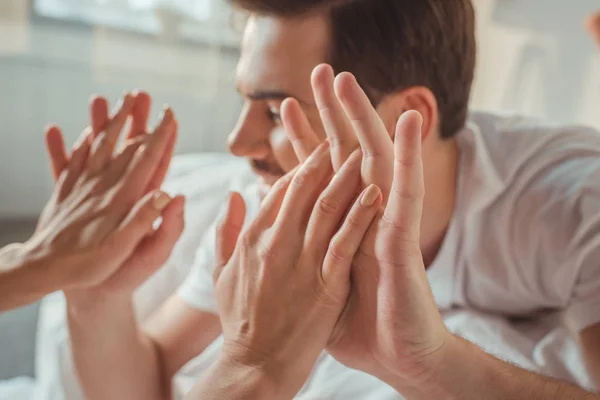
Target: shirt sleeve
[[197, 290], [583, 310], [556, 236]]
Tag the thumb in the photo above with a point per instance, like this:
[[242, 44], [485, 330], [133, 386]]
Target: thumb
[[228, 232], [138, 224]]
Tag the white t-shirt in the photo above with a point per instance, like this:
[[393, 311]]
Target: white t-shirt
[[524, 237]]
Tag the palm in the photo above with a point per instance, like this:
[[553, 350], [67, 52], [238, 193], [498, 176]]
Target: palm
[[374, 312]]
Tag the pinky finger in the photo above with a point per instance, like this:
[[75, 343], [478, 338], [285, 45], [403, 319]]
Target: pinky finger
[[345, 244]]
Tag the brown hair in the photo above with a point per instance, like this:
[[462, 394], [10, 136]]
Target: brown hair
[[391, 45]]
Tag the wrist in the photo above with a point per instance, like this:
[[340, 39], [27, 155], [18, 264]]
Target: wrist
[[440, 375], [93, 304], [230, 377]]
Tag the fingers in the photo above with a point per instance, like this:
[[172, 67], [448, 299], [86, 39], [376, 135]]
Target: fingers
[[271, 205], [55, 145], [375, 142], [163, 167], [138, 224], [118, 166], [155, 249], [333, 203], [140, 114], [144, 167], [405, 207], [98, 115], [339, 130], [228, 232], [303, 138], [105, 143], [79, 158], [304, 189], [345, 244]]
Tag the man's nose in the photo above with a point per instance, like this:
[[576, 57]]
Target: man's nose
[[249, 140]]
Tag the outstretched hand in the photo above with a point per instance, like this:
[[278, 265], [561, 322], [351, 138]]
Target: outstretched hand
[[101, 216], [282, 283], [390, 327]]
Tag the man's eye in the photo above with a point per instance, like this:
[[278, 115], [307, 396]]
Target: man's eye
[[274, 116]]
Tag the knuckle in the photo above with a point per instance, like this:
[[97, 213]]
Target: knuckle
[[301, 178], [328, 206], [368, 153], [267, 252], [248, 240], [412, 195], [338, 252]]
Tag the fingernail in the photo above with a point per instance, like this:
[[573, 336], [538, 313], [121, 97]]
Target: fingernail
[[370, 196], [161, 200], [123, 101], [167, 114]]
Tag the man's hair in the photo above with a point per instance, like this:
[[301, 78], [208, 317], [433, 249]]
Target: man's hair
[[391, 45]]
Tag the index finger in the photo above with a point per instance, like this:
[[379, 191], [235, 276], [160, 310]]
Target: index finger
[[405, 207], [374, 139], [139, 176], [304, 189], [337, 126], [370, 130]]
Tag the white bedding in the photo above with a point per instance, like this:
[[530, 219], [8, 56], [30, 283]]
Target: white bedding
[[542, 345]]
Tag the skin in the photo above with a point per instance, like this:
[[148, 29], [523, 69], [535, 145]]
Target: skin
[[593, 26], [312, 269], [277, 61], [101, 213], [406, 345]]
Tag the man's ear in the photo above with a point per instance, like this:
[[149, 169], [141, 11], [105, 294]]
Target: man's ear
[[417, 98]]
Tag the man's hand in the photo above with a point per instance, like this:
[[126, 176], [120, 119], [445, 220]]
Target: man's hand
[[282, 283], [378, 332], [100, 219]]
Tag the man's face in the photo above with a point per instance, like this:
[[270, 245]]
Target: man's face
[[277, 59]]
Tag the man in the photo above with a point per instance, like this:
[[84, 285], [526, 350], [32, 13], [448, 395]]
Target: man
[[102, 211], [509, 210], [389, 327]]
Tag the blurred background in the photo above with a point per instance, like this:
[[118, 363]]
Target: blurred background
[[535, 58]]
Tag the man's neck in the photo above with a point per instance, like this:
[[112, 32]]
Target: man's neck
[[441, 181]]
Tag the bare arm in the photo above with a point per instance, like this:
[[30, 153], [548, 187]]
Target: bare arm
[[24, 281], [464, 371], [590, 348], [109, 346]]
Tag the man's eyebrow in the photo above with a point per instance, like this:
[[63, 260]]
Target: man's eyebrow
[[270, 95]]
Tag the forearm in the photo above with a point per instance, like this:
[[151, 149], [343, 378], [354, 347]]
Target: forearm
[[467, 372], [113, 358], [228, 379], [24, 279]]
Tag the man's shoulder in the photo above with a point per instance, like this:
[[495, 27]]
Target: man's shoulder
[[513, 129], [525, 149]]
